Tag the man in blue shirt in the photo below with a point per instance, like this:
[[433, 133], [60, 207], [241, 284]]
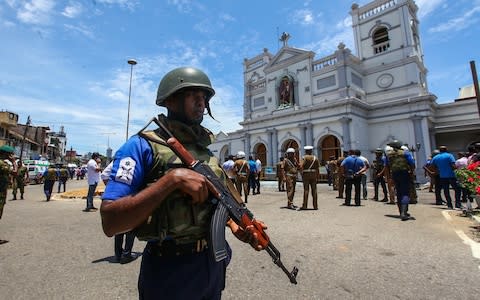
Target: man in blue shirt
[[353, 168], [167, 204], [252, 177], [445, 164]]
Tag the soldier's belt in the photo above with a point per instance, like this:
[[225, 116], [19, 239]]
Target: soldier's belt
[[243, 174], [170, 248], [308, 171], [292, 175]]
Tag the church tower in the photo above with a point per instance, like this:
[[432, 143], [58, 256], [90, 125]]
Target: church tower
[[386, 36]]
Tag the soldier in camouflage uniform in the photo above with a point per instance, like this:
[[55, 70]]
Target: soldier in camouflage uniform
[[379, 175], [20, 180], [151, 191], [49, 178], [310, 173], [62, 178], [401, 166], [6, 153], [333, 172]]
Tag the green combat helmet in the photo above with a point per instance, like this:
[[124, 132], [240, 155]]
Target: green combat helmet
[[396, 144], [180, 78]]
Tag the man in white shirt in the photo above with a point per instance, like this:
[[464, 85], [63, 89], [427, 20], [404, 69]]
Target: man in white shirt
[[228, 168], [258, 162], [93, 177]]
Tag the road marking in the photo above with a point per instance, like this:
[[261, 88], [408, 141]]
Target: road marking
[[474, 246], [446, 215]]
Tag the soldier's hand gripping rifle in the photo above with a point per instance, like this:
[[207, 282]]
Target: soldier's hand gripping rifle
[[227, 207]]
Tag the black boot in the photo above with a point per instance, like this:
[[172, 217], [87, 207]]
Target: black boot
[[403, 212]]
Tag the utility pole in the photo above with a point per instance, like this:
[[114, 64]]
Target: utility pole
[[24, 136], [475, 83], [131, 62]]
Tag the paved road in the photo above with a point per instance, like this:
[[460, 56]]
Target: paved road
[[56, 251]]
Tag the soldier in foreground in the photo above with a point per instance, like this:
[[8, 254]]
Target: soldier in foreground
[[6, 153], [149, 186]]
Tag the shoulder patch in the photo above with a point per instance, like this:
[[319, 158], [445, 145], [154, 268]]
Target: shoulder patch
[[125, 170]]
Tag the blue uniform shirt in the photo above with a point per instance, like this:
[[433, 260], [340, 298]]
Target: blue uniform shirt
[[132, 162], [443, 161], [353, 163]]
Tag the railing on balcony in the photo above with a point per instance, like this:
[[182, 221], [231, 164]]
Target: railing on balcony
[[377, 9]]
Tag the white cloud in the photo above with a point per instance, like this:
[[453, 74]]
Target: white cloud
[[458, 23], [426, 7], [129, 4], [186, 6], [82, 29], [303, 17], [73, 10], [36, 12]]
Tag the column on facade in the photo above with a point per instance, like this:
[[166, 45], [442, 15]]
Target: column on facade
[[303, 142], [247, 144], [270, 147], [421, 156], [347, 143], [309, 134], [275, 149]]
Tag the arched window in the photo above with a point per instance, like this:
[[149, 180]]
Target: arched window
[[380, 40]]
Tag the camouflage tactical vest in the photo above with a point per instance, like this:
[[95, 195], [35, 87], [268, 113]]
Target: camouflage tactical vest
[[4, 176], [51, 175], [397, 160], [63, 174], [177, 217]]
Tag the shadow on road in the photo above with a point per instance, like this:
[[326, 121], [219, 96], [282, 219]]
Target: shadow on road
[[113, 259]]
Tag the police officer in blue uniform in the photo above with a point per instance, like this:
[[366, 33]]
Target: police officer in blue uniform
[[166, 204]]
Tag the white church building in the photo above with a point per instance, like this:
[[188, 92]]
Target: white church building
[[345, 101]]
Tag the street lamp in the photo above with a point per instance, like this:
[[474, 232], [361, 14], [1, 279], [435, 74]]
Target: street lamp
[[131, 62]]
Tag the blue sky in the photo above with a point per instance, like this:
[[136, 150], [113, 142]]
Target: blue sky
[[64, 63]]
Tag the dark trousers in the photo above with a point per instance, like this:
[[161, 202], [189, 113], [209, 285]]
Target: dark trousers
[[129, 239], [438, 191], [195, 276], [444, 184], [252, 182], [48, 187], [380, 180], [402, 186], [60, 183], [356, 182]]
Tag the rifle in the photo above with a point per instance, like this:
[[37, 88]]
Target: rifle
[[227, 207]]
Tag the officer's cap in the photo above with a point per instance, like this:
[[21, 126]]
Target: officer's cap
[[240, 154], [308, 148], [290, 150], [378, 150]]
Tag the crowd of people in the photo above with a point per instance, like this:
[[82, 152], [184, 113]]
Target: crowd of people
[[152, 195]]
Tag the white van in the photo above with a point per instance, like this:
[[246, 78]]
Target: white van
[[35, 169]]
